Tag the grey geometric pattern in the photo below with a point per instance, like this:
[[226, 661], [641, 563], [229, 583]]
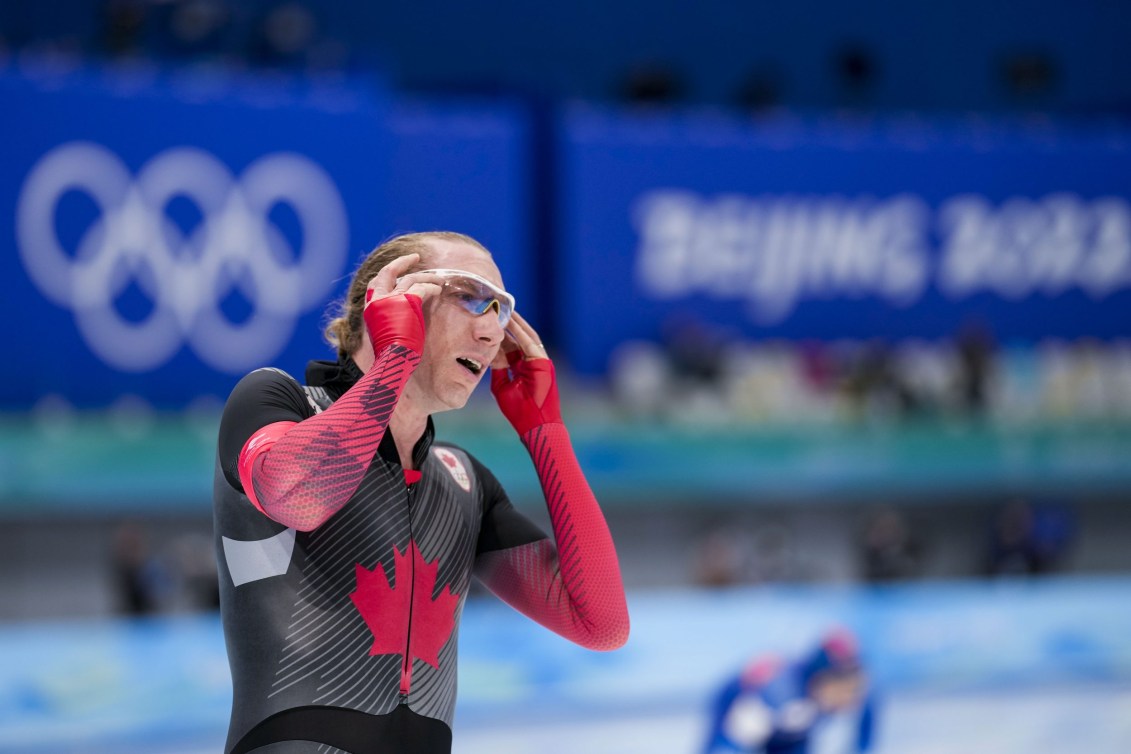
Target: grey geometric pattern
[[259, 558], [325, 659], [318, 398]]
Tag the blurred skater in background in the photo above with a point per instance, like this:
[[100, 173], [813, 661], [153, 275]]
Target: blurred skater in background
[[820, 703]]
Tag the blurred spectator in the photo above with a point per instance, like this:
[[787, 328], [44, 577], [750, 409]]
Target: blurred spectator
[[856, 73], [889, 550], [1030, 77], [680, 377], [285, 37], [821, 701], [703, 372], [730, 555], [175, 577], [122, 24], [1092, 379], [141, 581], [761, 90], [695, 349], [877, 388], [929, 369], [721, 558], [774, 557], [651, 84], [761, 383], [195, 560], [639, 375], [193, 29], [1028, 540], [818, 366], [975, 361]]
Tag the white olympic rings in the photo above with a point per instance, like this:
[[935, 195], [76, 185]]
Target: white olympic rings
[[235, 246]]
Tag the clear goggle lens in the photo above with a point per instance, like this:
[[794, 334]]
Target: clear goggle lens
[[475, 294]]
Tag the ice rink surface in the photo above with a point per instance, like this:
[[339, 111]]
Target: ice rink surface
[[963, 668], [1084, 720], [1088, 720]]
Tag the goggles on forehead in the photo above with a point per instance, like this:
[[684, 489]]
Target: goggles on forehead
[[475, 294]]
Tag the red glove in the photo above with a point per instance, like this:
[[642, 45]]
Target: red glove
[[395, 320], [527, 392]]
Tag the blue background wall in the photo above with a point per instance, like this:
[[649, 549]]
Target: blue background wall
[[936, 56]]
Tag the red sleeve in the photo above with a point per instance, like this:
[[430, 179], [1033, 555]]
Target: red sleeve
[[301, 474], [573, 588], [256, 447]]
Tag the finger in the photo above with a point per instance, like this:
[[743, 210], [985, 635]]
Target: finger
[[500, 360], [523, 327], [526, 338], [424, 290], [404, 282], [385, 281], [509, 347], [521, 324], [529, 351]]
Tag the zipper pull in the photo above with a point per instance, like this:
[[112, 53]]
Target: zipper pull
[[411, 480], [403, 698]]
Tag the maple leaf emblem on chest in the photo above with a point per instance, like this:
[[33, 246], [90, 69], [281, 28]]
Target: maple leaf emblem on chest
[[405, 619]]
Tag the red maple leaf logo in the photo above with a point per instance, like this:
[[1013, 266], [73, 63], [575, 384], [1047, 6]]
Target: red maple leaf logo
[[389, 610]]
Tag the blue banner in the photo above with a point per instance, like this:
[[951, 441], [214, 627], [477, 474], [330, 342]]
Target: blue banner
[[166, 233], [842, 229]]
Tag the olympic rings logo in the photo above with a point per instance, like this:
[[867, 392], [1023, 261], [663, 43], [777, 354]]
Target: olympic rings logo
[[186, 276]]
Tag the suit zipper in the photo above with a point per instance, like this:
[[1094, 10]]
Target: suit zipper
[[406, 661]]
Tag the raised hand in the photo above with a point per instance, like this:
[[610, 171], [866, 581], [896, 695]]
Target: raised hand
[[394, 279], [394, 299], [523, 381]]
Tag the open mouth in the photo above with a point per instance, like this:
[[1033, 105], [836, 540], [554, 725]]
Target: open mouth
[[470, 365]]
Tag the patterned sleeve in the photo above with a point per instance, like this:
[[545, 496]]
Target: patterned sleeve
[[572, 584], [263, 397], [301, 471]]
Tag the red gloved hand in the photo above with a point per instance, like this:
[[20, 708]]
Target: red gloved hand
[[395, 320], [527, 392]]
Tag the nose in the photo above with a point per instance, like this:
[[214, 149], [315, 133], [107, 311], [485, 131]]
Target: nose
[[487, 328]]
